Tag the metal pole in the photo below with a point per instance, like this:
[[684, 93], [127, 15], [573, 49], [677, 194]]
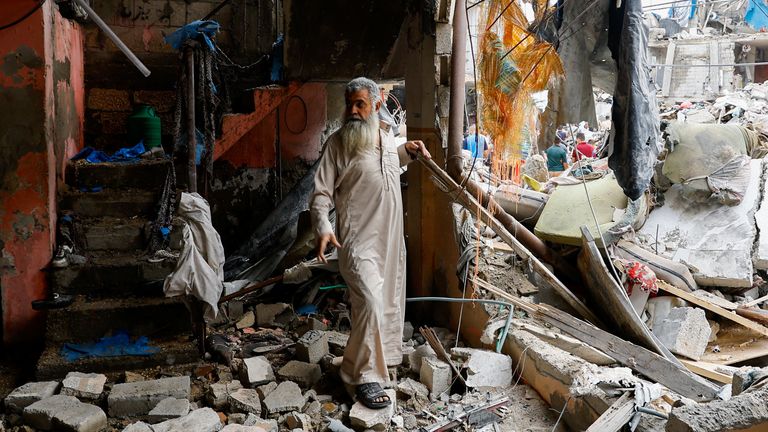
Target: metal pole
[[113, 37], [458, 93], [189, 54]]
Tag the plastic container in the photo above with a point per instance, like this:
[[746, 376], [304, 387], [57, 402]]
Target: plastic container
[[144, 124]]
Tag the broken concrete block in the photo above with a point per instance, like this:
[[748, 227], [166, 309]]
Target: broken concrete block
[[760, 257], [268, 425], [304, 374], [220, 391], [297, 420], [659, 307], [245, 401], [248, 320], [168, 408], [266, 389], [407, 331], [407, 350], [267, 313], [685, 331], [242, 428], [84, 386], [65, 413], [436, 375], [138, 398], [30, 393], [311, 323], [312, 346], [485, 368], [412, 388], [747, 376], [236, 418], [744, 412], [337, 341], [256, 371], [199, 420], [138, 427], [377, 419], [415, 358], [285, 398]]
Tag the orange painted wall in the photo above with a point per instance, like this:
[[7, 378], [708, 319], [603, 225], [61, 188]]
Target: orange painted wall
[[41, 106]]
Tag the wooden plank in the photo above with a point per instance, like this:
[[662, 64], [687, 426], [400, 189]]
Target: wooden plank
[[667, 80], [715, 300], [672, 375], [705, 304], [712, 371], [460, 195], [616, 416], [756, 301]]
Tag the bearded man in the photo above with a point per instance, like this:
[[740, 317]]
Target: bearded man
[[359, 175]]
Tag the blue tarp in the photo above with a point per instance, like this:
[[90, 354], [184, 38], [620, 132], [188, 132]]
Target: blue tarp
[[127, 154], [109, 346], [757, 15], [206, 29]]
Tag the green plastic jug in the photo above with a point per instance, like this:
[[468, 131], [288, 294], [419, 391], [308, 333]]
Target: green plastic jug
[[144, 124]]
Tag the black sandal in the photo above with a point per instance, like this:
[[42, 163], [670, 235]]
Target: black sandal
[[368, 394]]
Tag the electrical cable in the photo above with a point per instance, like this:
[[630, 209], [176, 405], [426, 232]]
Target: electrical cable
[[23, 17]]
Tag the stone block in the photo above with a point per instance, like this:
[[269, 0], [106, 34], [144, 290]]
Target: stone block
[[199, 420], [138, 398], [412, 388], [485, 368], [285, 398], [84, 386], [65, 413], [436, 375], [685, 331], [256, 371], [415, 358], [377, 419], [169, 408], [745, 412], [304, 374], [29, 393], [337, 341], [101, 99], [245, 401], [312, 346], [220, 391], [266, 314]]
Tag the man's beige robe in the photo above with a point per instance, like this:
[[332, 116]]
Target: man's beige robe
[[365, 189]]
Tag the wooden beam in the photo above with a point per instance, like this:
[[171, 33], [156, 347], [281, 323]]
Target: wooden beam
[[616, 416], [705, 304], [667, 80], [711, 371], [756, 301]]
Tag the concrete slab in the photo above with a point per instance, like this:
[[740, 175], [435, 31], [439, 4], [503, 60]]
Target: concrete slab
[[745, 412], [256, 371], [168, 408], [139, 398], [85, 386], [715, 241], [65, 413], [40, 414], [760, 258], [199, 420], [285, 398], [245, 401], [29, 393], [436, 375], [377, 419], [220, 391], [304, 374], [685, 331], [485, 368]]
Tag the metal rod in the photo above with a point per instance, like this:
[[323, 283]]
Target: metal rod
[[708, 65], [189, 54], [113, 37]]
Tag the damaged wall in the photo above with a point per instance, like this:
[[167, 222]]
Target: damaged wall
[[686, 83], [248, 29], [41, 87]]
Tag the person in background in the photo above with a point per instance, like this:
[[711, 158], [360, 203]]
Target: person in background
[[477, 150], [556, 159], [582, 149]]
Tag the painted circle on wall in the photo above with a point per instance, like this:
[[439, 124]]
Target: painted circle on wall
[[296, 115]]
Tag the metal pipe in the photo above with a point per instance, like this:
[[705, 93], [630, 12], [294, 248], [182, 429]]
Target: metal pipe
[[189, 55], [708, 65], [458, 93], [502, 335], [113, 37]]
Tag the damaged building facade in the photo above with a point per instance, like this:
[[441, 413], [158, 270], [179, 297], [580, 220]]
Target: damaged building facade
[[585, 272]]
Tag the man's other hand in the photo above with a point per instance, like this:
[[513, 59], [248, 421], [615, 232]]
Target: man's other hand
[[322, 243], [417, 147]]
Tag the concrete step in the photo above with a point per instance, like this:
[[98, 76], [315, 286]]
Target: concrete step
[[116, 234], [90, 319], [176, 351], [124, 274], [110, 202], [145, 174]]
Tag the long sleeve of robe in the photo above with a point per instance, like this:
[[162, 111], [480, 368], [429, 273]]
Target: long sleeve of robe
[[365, 190]]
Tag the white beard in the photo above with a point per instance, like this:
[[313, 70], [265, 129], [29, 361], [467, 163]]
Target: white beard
[[360, 136]]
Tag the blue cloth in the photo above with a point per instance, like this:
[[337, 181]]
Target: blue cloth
[[757, 14], [199, 145], [109, 346], [276, 73], [204, 29], [126, 154], [471, 145]]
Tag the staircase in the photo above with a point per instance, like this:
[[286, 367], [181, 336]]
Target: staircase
[[116, 289]]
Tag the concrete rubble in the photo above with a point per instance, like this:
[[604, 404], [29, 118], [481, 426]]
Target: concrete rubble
[[684, 331]]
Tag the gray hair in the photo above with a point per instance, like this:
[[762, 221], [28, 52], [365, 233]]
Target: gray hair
[[362, 83]]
